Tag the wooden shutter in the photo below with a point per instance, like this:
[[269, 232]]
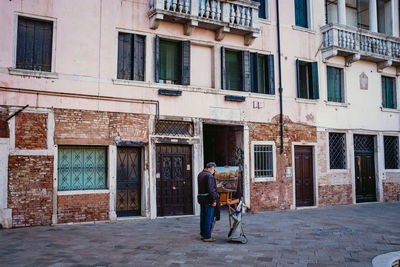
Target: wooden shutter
[[254, 72], [301, 11], [223, 69], [394, 93], [47, 46], [185, 62], [138, 57], [25, 44], [298, 77], [262, 9], [125, 43], [157, 58], [245, 71], [42, 46], [271, 74], [315, 86]]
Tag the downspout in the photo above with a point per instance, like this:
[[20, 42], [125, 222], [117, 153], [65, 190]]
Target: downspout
[[280, 76]]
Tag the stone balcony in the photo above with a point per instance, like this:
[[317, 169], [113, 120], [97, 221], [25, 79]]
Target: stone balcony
[[358, 44], [236, 17]]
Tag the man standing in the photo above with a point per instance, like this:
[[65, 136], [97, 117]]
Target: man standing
[[208, 200]]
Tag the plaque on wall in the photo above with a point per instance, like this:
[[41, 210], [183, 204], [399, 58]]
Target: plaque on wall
[[363, 81]]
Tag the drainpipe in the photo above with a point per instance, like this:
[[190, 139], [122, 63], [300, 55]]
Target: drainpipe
[[280, 76]]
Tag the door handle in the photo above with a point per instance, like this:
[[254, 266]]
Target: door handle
[[173, 188], [184, 182], [358, 178], [369, 177]]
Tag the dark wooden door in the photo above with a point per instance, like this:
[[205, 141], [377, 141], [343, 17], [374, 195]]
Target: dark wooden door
[[128, 181], [304, 176], [364, 168], [174, 180]]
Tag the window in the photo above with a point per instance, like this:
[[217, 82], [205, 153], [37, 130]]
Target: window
[[263, 9], [232, 70], [301, 13], [172, 61], [130, 57], [335, 85], [389, 92], [34, 44], [391, 152], [264, 164], [307, 79], [337, 151], [262, 73], [82, 168]]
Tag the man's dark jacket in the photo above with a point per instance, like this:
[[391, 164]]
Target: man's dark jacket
[[208, 190]]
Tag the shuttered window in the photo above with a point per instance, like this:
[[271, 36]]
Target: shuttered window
[[335, 84], [131, 50], [172, 61], [301, 13], [233, 70], [307, 80], [82, 168], [389, 96], [262, 74], [34, 44], [263, 9]]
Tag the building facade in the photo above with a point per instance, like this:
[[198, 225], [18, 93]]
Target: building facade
[[110, 109]]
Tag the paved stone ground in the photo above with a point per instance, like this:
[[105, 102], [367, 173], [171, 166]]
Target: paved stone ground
[[334, 236]]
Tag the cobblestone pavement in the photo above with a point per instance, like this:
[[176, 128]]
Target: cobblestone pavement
[[334, 236]]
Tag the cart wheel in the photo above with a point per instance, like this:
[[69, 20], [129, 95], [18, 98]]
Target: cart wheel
[[245, 240]]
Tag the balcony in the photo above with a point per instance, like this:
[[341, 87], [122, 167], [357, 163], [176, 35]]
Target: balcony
[[236, 17], [355, 44]]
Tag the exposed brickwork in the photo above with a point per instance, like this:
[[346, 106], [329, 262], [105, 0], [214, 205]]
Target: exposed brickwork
[[30, 190], [82, 127], [277, 194], [391, 192], [31, 130], [83, 208], [332, 195], [4, 131]]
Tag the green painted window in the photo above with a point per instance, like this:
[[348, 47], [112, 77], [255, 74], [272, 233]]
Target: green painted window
[[301, 13], [307, 80], [82, 168], [263, 9], [262, 73], [335, 84], [389, 95], [233, 70], [169, 62]]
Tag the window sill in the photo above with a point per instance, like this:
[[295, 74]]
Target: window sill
[[83, 192], [336, 104], [302, 29], [392, 170], [264, 21], [338, 170], [264, 179], [128, 82], [306, 101], [33, 73], [390, 110]]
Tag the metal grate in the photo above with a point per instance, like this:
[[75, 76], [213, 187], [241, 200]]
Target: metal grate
[[337, 151], [174, 128], [391, 152], [364, 143], [263, 164]]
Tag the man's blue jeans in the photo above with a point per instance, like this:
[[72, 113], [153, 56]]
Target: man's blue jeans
[[206, 220]]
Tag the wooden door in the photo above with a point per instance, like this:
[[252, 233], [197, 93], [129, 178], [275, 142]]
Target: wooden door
[[174, 180], [304, 176], [128, 181]]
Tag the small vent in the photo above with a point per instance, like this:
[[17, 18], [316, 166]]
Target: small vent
[[174, 128]]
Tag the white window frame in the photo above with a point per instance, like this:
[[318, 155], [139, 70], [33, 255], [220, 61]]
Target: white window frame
[[263, 179]]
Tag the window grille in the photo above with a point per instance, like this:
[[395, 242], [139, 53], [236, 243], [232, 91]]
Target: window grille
[[391, 152], [364, 143], [263, 161], [174, 128], [337, 151]]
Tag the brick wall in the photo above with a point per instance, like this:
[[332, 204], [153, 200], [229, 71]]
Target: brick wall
[[391, 192], [31, 130], [83, 208], [83, 127], [30, 190], [331, 195], [4, 131], [277, 194]]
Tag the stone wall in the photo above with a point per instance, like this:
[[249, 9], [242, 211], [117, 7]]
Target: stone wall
[[30, 190], [83, 208], [31, 130], [277, 194], [391, 187], [331, 195]]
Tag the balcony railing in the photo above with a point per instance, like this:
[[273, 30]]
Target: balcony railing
[[237, 17], [356, 44]]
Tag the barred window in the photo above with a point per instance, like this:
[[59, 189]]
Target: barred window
[[391, 152], [337, 151], [174, 128], [263, 161]]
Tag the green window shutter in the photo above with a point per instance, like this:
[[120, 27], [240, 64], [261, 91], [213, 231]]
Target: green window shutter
[[394, 93], [389, 92], [223, 69], [124, 56], [298, 78], [185, 65], [301, 13], [138, 57], [245, 71], [271, 74], [233, 69], [169, 60], [254, 72], [315, 86], [383, 81], [25, 40], [262, 9], [261, 74], [331, 83], [157, 58]]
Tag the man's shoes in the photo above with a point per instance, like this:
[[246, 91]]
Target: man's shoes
[[201, 237], [209, 240]]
